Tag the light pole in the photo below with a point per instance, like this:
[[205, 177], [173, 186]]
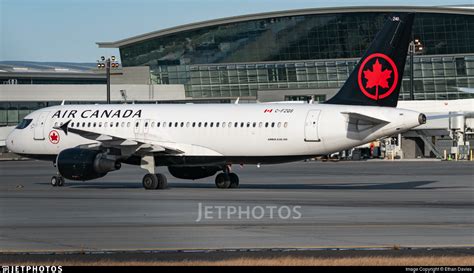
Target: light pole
[[415, 47], [107, 63]]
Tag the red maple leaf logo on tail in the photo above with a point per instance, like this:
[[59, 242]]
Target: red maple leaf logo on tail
[[377, 77]]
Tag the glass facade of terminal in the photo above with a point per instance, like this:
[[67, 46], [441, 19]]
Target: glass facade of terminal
[[303, 52]]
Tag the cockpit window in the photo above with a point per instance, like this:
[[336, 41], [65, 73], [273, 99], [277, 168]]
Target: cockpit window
[[24, 123]]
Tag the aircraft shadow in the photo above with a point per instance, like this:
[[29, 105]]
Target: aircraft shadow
[[407, 185]]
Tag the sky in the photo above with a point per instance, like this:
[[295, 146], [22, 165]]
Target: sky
[[67, 30]]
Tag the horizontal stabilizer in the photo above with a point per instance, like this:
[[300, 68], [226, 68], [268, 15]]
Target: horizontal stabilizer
[[367, 119], [359, 122]]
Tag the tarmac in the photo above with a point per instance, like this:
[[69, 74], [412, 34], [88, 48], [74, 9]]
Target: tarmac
[[366, 205]]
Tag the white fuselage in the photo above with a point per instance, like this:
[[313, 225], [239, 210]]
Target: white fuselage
[[236, 131]]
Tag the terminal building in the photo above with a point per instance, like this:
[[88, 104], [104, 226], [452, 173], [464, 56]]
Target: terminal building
[[289, 55]]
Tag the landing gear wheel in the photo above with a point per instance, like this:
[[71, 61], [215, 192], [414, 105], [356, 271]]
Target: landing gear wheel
[[150, 181], [234, 180], [57, 181], [162, 181], [60, 181], [54, 181], [223, 181]]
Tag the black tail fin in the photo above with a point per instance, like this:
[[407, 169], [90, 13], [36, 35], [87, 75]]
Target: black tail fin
[[377, 77]]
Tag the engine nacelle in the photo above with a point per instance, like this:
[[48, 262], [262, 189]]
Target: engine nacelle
[[83, 164], [193, 172]]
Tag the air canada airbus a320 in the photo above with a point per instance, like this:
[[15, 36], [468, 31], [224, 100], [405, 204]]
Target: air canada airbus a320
[[196, 141]]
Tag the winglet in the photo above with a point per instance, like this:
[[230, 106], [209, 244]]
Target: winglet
[[63, 127]]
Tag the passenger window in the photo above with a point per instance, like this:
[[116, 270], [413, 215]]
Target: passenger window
[[164, 124], [170, 124], [285, 124], [100, 124], [187, 124], [279, 124], [182, 124], [205, 124], [223, 124], [72, 124], [105, 124], [241, 124], [260, 124], [116, 124], [94, 125], [137, 124], [236, 124], [158, 124], [211, 124], [83, 124], [146, 124], [254, 125], [273, 124], [128, 124], [266, 124], [175, 124], [217, 124], [248, 124], [199, 124], [230, 125], [88, 124], [112, 125], [194, 124]]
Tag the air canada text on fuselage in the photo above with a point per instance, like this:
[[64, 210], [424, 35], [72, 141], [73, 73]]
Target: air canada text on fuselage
[[128, 113]]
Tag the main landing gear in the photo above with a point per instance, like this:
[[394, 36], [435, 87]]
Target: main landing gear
[[57, 181], [152, 180], [227, 179]]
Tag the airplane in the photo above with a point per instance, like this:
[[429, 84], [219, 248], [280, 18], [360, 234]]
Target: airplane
[[196, 141]]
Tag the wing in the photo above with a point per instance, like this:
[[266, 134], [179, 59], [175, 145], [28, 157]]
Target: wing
[[128, 146]]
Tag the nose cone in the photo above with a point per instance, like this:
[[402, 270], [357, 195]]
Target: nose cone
[[10, 142]]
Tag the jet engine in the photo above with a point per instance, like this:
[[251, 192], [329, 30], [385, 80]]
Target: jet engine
[[83, 164], [193, 172]]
